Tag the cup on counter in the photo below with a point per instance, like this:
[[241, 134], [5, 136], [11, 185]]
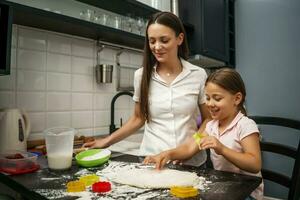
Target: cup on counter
[[59, 145]]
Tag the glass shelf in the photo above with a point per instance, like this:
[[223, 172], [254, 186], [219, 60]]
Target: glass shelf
[[59, 22], [64, 17], [123, 7]]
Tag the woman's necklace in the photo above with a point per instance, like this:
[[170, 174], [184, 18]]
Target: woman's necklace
[[169, 74]]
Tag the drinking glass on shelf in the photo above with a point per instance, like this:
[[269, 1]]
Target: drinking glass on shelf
[[128, 24], [47, 9], [117, 22], [81, 15], [87, 15], [97, 20], [57, 11], [104, 19], [141, 25], [135, 28]]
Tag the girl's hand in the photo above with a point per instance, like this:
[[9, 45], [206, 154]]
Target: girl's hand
[[98, 143], [213, 143], [160, 160]]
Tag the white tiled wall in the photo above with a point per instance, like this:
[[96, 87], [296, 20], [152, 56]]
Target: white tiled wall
[[52, 78]]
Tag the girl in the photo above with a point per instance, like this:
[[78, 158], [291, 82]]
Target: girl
[[233, 138], [168, 92]]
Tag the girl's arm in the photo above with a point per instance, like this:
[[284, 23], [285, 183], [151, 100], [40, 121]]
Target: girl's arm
[[135, 122], [248, 160]]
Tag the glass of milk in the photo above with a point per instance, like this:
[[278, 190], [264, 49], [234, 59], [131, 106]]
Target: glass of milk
[[59, 145]]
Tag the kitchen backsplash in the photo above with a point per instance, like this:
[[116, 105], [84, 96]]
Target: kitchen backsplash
[[52, 78]]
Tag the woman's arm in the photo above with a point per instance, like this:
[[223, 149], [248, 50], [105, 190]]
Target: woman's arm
[[248, 160], [190, 146], [205, 115], [185, 150], [182, 152], [134, 123]]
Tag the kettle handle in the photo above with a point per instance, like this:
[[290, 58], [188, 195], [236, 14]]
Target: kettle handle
[[26, 123]]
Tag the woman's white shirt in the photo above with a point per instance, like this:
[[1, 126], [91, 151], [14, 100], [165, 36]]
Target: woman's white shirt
[[174, 109]]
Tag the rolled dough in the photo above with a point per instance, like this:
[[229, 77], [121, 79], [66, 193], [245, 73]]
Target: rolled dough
[[151, 178]]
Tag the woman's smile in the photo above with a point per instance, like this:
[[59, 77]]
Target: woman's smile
[[159, 55], [163, 42]]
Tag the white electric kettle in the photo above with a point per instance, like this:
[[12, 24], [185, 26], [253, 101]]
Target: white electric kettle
[[14, 129]]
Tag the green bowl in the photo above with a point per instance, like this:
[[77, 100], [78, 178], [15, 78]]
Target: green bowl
[[89, 158]]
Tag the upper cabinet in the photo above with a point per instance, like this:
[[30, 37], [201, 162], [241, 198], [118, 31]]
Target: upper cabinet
[[119, 22], [5, 38], [213, 32]]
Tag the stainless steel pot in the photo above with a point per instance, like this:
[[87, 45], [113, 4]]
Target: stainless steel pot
[[104, 73]]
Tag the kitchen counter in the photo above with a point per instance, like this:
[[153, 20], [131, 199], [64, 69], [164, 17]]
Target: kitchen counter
[[130, 145], [224, 185]]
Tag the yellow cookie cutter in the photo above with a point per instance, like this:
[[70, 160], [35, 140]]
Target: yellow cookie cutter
[[89, 179], [75, 186], [198, 136], [184, 192]]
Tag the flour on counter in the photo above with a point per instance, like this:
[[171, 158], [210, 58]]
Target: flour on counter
[[66, 176], [115, 167], [119, 191], [49, 179], [202, 184], [57, 194], [82, 172], [51, 193], [82, 195]]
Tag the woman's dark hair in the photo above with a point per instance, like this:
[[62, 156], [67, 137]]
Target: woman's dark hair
[[230, 80], [172, 21]]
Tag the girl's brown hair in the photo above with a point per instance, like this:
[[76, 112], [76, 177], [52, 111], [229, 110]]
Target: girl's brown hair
[[172, 21], [230, 80]]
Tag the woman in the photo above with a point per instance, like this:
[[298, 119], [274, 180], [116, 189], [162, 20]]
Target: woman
[[168, 92]]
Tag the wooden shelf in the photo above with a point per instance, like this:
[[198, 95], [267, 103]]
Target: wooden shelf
[[38, 18]]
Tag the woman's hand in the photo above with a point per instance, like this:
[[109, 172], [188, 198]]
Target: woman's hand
[[160, 160], [213, 143], [98, 143]]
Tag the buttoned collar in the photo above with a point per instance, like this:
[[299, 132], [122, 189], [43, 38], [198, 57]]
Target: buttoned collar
[[187, 68]]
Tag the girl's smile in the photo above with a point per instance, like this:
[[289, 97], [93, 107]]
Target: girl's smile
[[221, 104]]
